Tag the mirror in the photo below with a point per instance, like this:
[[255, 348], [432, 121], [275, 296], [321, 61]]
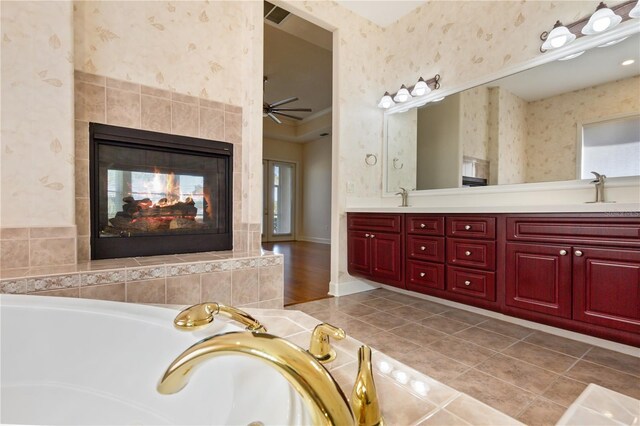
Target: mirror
[[526, 127]]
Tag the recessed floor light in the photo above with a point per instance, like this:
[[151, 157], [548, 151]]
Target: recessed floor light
[[628, 62]]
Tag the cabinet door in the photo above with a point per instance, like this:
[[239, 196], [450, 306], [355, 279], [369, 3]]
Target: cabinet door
[[386, 260], [538, 278], [359, 253], [606, 286]]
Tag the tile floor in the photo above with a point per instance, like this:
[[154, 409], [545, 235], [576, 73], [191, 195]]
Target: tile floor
[[529, 375]]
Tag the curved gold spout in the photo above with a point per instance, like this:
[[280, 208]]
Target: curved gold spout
[[200, 315], [327, 403]]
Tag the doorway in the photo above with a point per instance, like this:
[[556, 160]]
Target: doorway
[[279, 200]]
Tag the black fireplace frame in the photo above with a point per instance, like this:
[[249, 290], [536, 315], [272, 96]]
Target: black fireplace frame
[[149, 245]]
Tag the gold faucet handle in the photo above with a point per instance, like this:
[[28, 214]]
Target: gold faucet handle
[[201, 315], [320, 347]]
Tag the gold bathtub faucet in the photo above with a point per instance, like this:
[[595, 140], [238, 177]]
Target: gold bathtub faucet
[[201, 315], [326, 401]]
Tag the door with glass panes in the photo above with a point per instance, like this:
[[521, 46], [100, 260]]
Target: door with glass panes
[[278, 221]]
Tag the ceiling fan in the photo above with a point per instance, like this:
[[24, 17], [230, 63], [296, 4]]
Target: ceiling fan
[[272, 109]]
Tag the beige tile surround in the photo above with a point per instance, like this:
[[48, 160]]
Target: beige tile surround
[[238, 279], [36, 247], [100, 99]]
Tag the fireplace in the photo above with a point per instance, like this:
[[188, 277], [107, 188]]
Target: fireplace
[[155, 193]]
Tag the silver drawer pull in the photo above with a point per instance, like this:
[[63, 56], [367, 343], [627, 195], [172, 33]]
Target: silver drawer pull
[[423, 248], [563, 252], [467, 227], [422, 274], [467, 283], [577, 253], [373, 236], [422, 225], [467, 253]]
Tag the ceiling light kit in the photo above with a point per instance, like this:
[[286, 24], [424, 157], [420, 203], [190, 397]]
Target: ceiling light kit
[[421, 88], [603, 19]]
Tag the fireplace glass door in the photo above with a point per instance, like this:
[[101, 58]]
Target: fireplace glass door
[[148, 193]]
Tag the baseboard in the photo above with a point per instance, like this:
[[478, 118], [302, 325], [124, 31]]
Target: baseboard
[[350, 287], [314, 240]]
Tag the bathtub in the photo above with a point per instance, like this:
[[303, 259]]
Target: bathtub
[[90, 362]]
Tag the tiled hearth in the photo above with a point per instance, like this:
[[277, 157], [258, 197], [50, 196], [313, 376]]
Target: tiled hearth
[[238, 279]]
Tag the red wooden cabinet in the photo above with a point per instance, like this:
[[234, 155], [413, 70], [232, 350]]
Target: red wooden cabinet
[[606, 285], [538, 278], [376, 253]]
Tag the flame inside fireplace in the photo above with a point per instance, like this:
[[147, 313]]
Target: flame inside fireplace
[[155, 202]]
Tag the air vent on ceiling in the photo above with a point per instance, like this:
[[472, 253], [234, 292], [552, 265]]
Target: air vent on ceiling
[[274, 13]]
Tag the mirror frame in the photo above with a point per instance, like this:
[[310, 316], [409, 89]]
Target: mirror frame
[[625, 29]]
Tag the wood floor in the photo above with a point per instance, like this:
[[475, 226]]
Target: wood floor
[[306, 270]]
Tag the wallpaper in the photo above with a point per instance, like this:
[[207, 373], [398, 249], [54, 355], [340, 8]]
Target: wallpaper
[[512, 138], [553, 125], [402, 137], [474, 128], [37, 149]]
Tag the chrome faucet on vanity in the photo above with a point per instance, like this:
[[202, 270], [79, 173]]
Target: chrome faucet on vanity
[[599, 181], [405, 197]]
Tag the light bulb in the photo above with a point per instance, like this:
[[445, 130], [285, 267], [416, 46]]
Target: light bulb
[[386, 101], [403, 95], [558, 37], [602, 19], [635, 12], [421, 88]]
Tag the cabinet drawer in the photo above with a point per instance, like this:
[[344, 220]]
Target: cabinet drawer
[[475, 254], [374, 222], [471, 227], [425, 225], [472, 283], [577, 230], [430, 249], [424, 275]]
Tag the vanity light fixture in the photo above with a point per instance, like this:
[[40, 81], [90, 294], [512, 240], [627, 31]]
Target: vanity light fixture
[[438, 99], [403, 95], [558, 37], [635, 12], [386, 101], [627, 62], [603, 19], [421, 88]]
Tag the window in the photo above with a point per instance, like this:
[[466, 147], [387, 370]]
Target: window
[[611, 147]]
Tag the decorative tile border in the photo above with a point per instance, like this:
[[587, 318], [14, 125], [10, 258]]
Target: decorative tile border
[[268, 294]]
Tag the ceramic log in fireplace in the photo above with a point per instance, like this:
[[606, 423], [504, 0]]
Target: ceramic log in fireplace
[[155, 193]]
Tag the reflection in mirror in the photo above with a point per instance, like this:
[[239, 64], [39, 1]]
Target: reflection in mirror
[[522, 128]]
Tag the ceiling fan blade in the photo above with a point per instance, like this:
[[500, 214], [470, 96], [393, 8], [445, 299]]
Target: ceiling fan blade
[[287, 115], [292, 109], [274, 118], [282, 102]]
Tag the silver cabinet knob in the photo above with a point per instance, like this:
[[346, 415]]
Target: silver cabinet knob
[[366, 235], [373, 236], [422, 274], [563, 252], [467, 227], [577, 253], [423, 248], [467, 282], [467, 253], [422, 225]]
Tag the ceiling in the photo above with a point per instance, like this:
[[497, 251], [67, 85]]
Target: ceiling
[[383, 13]]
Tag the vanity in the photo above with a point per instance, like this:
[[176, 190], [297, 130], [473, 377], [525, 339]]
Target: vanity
[[578, 271], [504, 212]]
